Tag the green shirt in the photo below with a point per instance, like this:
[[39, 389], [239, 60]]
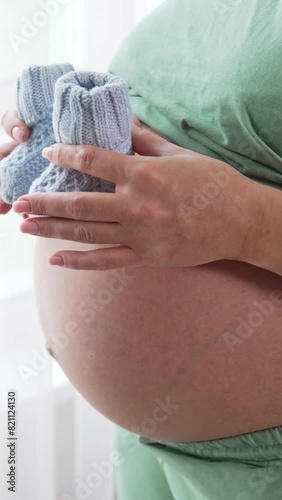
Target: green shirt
[[207, 74]]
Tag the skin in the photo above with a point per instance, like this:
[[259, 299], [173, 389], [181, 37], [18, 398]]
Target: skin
[[167, 329]]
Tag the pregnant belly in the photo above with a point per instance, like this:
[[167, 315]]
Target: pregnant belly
[[175, 354]]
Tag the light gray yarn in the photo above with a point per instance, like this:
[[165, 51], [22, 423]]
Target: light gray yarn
[[35, 97], [89, 108]]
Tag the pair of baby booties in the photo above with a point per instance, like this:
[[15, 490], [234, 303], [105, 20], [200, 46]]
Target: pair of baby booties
[[61, 105]]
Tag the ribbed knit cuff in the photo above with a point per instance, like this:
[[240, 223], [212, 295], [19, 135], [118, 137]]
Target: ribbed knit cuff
[[35, 91], [93, 108]]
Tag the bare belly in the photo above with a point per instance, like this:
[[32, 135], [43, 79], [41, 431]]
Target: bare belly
[[176, 354]]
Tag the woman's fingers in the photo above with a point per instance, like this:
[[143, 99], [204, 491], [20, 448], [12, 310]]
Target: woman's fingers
[[99, 162], [4, 207], [7, 148], [148, 143], [18, 131], [98, 207], [97, 260], [82, 232], [15, 127]]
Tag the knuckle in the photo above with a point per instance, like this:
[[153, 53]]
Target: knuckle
[[102, 265], [82, 234], [38, 207], [147, 211], [45, 230], [75, 207], [142, 174], [84, 159], [59, 155], [71, 262]]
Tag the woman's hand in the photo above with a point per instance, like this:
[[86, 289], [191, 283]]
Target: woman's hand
[[172, 207], [19, 132]]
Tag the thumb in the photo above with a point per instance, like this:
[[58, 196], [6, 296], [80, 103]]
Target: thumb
[[147, 143]]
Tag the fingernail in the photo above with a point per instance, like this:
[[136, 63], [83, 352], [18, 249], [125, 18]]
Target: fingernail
[[22, 207], [137, 122], [47, 153], [30, 228], [18, 134], [56, 260]]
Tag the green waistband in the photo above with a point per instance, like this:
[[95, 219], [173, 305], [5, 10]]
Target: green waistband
[[260, 448]]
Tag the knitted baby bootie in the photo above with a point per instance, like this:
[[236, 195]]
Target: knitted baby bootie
[[35, 97], [89, 108]]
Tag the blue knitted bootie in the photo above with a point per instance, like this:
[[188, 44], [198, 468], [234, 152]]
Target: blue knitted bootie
[[89, 108], [35, 97]]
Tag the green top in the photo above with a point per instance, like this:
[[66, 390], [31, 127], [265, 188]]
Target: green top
[[207, 74]]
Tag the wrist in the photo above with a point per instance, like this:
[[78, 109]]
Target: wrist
[[256, 235], [248, 221]]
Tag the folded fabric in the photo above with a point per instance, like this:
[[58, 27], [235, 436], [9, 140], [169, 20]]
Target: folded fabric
[[207, 76], [35, 97]]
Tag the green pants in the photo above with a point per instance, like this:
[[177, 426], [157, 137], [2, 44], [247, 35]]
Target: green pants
[[246, 467]]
